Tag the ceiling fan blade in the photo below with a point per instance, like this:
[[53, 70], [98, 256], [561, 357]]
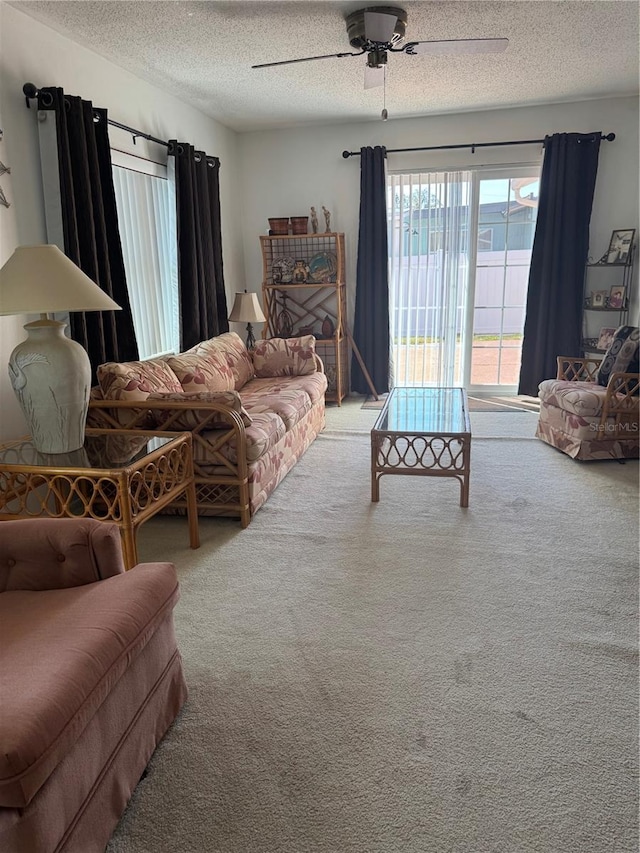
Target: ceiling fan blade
[[452, 46], [379, 26], [373, 77], [307, 59]]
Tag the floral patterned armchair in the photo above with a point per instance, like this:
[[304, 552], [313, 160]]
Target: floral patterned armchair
[[591, 409]]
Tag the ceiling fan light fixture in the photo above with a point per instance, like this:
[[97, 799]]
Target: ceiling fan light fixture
[[377, 58]]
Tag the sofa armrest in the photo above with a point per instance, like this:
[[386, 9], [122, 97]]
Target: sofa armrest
[[213, 425], [57, 553], [577, 369]]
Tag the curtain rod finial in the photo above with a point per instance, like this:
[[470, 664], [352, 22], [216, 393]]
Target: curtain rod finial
[[29, 91], [610, 137], [346, 154]]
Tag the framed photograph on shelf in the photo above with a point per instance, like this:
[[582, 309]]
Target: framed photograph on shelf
[[617, 296], [620, 246], [598, 298], [606, 336]]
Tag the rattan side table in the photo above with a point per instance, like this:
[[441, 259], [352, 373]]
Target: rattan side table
[[119, 476]]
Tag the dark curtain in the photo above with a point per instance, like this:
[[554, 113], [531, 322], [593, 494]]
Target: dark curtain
[[90, 224], [371, 321], [553, 320], [203, 302]]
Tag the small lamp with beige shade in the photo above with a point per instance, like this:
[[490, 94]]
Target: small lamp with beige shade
[[50, 373], [246, 309]]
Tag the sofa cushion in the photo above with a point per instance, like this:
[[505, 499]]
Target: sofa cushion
[[228, 349], [266, 430], [621, 355], [285, 357], [202, 372], [135, 380], [291, 406], [62, 652], [585, 399], [313, 384], [191, 418]]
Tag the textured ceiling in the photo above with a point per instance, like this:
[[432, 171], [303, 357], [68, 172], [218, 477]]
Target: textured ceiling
[[202, 52]]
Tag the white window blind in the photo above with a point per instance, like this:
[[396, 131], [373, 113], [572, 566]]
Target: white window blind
[[429, 270], [147, 220]]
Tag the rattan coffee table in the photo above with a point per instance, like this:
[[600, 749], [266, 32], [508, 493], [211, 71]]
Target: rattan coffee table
[[120, 476], [423, 432]]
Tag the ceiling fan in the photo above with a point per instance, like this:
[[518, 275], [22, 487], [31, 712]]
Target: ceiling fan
[[379, 30]]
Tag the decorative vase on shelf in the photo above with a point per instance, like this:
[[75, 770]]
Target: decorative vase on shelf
[[284, 320]]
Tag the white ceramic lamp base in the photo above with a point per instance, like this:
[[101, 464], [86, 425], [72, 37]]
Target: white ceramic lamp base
[[51, 376]]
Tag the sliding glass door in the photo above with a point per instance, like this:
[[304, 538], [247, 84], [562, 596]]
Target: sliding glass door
[[460, 246]]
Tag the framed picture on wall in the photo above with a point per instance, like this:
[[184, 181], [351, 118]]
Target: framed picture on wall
[[606, 336], [620, 246], [617, 296]]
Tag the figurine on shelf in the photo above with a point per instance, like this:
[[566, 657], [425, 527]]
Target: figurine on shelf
[[328, 327], [327, 219], [300, 271], [284, 321], [314, 220]]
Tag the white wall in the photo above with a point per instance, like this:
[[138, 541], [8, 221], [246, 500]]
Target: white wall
[[32, 52], [286, 171]]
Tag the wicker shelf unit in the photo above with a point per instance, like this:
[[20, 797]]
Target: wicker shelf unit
[[316, 306]]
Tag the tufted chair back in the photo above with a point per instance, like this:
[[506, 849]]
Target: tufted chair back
[[57, 553]]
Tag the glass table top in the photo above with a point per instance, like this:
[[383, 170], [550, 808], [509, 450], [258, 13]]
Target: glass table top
[[424, 410], [102, 450]]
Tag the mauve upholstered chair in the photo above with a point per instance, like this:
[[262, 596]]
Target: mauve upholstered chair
[[91, 679]]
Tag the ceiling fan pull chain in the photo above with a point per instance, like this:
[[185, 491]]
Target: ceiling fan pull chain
[[385, 115]]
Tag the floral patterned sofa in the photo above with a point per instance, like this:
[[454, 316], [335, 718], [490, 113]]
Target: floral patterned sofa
[[591, 409], [252, 414]]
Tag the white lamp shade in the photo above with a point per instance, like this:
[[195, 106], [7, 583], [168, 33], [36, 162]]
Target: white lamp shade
[[246, 309], [42, 280]]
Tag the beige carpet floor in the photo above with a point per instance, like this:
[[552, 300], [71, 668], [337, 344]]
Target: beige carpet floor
[[407, 677]]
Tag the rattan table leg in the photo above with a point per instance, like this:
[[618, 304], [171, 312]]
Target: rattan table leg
[[192, 515], [375, 479], [464, 482]]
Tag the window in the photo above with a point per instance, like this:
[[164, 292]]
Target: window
[[459, 253], [147, 220]]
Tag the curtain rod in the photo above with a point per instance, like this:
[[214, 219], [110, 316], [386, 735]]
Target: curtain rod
[[30, 91], [472, 145]]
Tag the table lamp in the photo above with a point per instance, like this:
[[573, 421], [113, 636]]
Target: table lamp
[[50, 373], [246, 309]]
